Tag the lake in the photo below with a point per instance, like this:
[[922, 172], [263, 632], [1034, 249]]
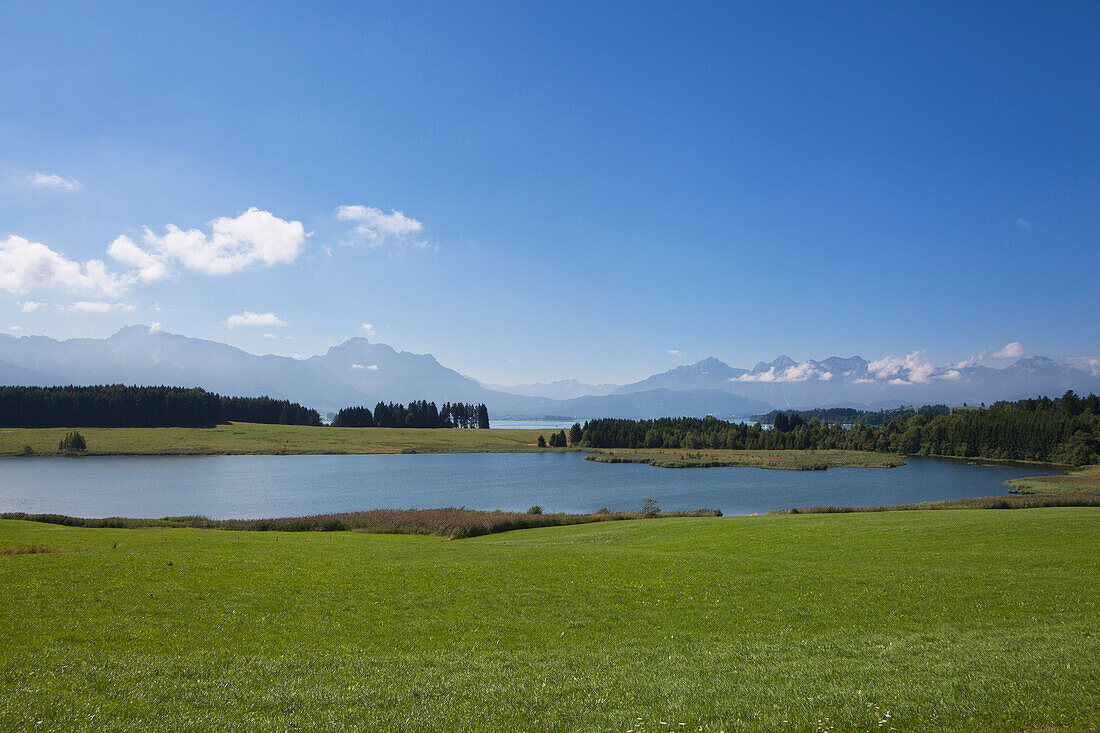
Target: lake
[[247, 487]]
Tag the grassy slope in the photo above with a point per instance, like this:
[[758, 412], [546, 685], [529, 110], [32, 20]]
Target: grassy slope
[[968, 620], [781, 459]]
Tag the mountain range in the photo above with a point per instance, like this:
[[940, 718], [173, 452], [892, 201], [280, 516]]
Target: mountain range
[[359, 372]]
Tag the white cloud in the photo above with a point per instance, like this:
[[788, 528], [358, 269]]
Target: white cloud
[[1014, 350], [371, 367], [1023, 223], [376, 228], [971, 362], [150, 267], [155, 327], [248, 318], [1086, 364], [911, 369], [270, 336], [952, 375], [52, 180], [29, 306], [85, 306], [254, 237], [368, 328], [800, 372], [16, 328], [675, 352], [26, 266]]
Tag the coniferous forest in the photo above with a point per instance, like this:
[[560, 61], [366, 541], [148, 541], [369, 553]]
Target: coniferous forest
[[418, 414], [1064, 430], [121, 406]]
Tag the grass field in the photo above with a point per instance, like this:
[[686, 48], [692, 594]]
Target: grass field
[[252, 438], [810, 460], [950, 621], [1080, 481]]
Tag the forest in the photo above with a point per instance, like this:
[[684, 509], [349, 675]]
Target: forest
[[121, 406], [853, 416], [1060, 430], [418, 414]]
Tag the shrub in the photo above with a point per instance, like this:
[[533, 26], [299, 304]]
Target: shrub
[[650, 510], [536, 509], [72, 443], [542, 442], [28, 451], [603, 510]]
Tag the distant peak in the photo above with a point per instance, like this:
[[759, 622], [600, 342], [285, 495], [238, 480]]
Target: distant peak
[[138, 330]]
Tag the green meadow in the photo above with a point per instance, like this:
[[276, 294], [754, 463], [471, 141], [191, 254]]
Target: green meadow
[[907, 621]]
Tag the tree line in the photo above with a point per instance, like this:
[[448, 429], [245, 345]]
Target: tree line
[[850, 415], [418, 414], [121, 406], [1063, 430]]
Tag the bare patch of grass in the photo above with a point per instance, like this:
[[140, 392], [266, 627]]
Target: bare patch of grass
[[32, 550]]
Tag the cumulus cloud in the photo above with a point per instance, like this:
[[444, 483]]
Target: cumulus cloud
[[801, 372], [910, 369], [16, 328], [254, 238], [371, 367], [1014, 350], [29, 306], [368, 328], [27, 266], [96, 306], [54, 181], [248, 318], [376, 228], [155, 327], [150, 267], [675, 352], [270, 336]]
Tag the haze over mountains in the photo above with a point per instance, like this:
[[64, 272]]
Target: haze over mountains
[[360, 372]]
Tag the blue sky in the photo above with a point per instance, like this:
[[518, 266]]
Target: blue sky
[[597, 191]]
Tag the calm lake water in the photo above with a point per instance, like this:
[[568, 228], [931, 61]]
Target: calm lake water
[[278, 486]]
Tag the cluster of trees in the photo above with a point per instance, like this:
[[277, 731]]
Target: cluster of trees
[[1064, 430], [558, 440], [418, 414], [850, 415], [121, 406]]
